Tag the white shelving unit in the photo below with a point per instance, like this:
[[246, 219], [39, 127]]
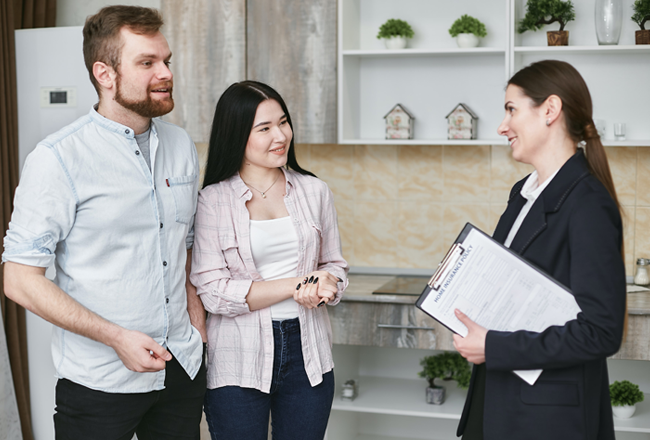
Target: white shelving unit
[[391, 402], [433, 75]]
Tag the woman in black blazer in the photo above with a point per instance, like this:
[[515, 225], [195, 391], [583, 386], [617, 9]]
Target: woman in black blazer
[[565, 219]]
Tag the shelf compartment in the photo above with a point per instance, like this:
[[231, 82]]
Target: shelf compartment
[[405, 397], [639, 422], [359, 21], [428, 87]]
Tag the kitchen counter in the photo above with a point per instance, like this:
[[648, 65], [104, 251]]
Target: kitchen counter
[[362, 286], [363, 318]]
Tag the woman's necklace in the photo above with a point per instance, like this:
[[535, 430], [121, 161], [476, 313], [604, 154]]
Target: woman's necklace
[[267, 189]]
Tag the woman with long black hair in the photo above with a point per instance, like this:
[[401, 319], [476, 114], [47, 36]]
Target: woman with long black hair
[[565, 219], [266, 263]]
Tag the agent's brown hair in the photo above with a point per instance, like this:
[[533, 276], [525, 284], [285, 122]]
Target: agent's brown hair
[[102, 41], [540, 80]]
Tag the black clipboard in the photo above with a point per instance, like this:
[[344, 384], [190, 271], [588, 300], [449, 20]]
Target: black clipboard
[[449, 261]]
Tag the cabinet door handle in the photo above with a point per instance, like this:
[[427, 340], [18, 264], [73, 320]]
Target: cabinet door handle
[[404, 327]]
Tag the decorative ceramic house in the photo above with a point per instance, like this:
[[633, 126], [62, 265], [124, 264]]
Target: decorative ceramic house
[[462, 123], [399, 123]]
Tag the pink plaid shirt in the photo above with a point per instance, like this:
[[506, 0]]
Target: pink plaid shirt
[[240, 342]]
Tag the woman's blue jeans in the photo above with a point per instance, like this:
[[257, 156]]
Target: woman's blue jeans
[[298, 410]]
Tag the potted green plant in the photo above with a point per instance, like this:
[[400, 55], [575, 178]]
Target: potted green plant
[[624, 396], [641, 15], [444, 366], [395, 32], [467, 30], [543, 12]]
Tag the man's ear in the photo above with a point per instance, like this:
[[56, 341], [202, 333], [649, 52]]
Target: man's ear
[[552, 108], [104, 74]]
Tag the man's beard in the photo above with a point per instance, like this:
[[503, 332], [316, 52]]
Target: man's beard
[[147, 108]]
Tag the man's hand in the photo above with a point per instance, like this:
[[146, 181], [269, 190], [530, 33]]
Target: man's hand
[[139, 352], [472, 346]]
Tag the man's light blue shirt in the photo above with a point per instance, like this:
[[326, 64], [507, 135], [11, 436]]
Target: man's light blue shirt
[[118, 235]]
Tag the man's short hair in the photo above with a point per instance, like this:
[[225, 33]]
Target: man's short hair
[[102, 40]]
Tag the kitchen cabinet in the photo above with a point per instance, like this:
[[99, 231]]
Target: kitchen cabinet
[[379, 341], [432, 75]]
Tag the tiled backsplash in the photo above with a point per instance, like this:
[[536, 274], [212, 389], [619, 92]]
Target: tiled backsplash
[[402, 206]]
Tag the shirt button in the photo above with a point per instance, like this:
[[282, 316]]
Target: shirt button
[[137, 153], [127, 131], [167, 300], [164, 263], [161, 225]]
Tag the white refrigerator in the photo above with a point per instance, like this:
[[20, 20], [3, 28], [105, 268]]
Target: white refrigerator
[[54, 89]]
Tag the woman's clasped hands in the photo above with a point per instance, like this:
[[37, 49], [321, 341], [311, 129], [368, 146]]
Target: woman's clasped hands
[[316, 289]]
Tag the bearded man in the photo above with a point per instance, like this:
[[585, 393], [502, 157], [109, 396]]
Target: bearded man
[[110, 200]]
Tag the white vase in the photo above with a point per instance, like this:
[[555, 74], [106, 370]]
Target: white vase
[[624, 412], [467, 40], [395, 43]]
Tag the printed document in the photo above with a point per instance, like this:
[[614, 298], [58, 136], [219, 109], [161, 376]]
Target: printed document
[[497, 289]]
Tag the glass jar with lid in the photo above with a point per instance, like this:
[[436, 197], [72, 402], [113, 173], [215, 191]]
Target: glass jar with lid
[[641, 278]]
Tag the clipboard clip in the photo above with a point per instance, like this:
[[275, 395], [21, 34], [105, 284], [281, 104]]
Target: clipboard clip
[[445, 266]]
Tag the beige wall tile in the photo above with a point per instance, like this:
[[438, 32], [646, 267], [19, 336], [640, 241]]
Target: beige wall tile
[[622, 163], [643, 177], [303, 156], [642, 232], [375, 172], [504, 173], [419, 172], [629, 220], [375, 234], [466, 173], [419, 235], [345, 213], [388, 217], [455, 217], [334, 164], [496, 210]]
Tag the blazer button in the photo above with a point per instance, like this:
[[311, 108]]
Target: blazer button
[[164, 263]]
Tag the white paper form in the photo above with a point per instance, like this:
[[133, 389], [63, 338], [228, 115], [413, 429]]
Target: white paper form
[[496, 289]]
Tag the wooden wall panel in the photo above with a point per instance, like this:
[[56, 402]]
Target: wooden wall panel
[[208, 42], [291, 45]]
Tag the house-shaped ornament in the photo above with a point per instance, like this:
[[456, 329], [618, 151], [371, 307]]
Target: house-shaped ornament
[[462, 123], [399, 123]]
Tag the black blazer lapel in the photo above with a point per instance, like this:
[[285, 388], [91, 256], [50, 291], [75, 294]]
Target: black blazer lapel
[[532, 226], [515, 203]]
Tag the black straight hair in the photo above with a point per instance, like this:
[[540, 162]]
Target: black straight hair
[[232, 125]]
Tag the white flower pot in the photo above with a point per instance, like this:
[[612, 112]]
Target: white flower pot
[[395, 43], [624, 412], [467, 40]]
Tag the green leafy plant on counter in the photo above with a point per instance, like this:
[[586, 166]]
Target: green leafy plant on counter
[[446, 366], [625, 393], [641, 12], [543, 12], [395, 27], [468, 25]]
